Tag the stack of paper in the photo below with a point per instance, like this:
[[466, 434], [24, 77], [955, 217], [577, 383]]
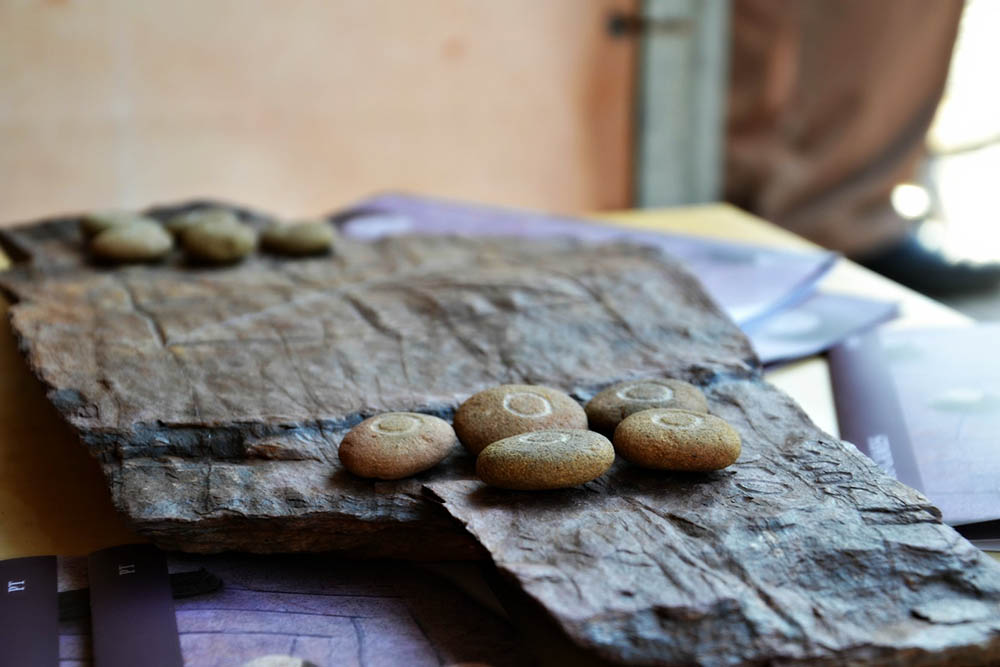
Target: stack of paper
[[925, 405], [770, 293]]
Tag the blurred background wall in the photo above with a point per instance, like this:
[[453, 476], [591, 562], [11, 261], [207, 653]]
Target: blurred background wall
[[303, 106]]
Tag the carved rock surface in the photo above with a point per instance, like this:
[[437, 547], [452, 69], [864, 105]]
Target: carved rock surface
[[215, 400], [802, 553]]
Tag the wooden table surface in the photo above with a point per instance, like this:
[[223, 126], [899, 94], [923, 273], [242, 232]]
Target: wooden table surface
[[52, 496]]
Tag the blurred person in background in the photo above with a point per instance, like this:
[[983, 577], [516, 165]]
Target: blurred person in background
[[829, 106]]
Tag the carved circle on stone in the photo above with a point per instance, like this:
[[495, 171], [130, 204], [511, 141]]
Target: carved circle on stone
[[396, 424], [646, 392], [677, 419], [527, 404], [545, 438]]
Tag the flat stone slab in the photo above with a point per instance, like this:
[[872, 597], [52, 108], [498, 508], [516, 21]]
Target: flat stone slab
[[215, 400], [803, 553]]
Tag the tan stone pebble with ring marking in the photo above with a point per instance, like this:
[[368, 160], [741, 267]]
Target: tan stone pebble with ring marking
[[608, 408], [510, 409], [396, 445], [298, 239], [179, 223], [95, 222], [667, 439], [540, 460], [141, 240], [219, 241]]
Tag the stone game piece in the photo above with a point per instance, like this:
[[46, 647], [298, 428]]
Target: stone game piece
[[95, 222], [395, 445], [542, 460], [298, 239], [219, 241], [141, 240], [179, 223], [665, 439], [511, 409], [606, 410]]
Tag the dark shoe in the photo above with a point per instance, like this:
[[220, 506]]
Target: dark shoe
[[910, 262]]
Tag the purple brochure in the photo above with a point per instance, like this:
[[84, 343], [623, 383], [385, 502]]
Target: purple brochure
[[749, 282], [946, 386], [132, 608], [815, 325], [29, 612], [319, 610]]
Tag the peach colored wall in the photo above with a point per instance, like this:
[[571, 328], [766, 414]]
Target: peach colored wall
[[303, 106]]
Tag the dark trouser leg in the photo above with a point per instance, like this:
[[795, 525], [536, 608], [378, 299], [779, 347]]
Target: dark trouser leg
[[829, 104]]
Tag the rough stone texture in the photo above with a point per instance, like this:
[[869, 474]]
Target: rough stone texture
[[802, 553], [215, 399]]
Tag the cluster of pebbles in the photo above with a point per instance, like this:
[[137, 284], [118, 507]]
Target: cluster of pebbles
[[530, 437], [207, 236]]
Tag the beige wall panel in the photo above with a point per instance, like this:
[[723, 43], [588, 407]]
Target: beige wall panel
[[300, 107]]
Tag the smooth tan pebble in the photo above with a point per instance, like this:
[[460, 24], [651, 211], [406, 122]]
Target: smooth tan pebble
[[92, 224], [218, 241], [510, 409], [307, 237], [139, 241], [396, 445], [181, 222], [606, 410], [551, 459], [667, 439]]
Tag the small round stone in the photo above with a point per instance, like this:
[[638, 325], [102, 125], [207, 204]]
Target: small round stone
[[219, 241], [666, 439], [396, 445], [96, 222], [551, 459], [510, 409], [308, 237], [181, 222], [606, 410], [137, 241]]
